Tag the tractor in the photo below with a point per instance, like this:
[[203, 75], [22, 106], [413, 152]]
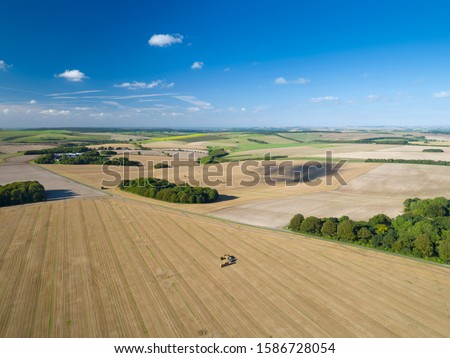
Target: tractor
[[227, 260]]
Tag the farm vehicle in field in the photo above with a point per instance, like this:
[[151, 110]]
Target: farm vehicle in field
[[227, 260]]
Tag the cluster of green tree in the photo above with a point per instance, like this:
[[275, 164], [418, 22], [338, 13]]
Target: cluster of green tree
[[422, 231], [410, 161], [66, 148], [433, 150], [384, 140], [122, 162], [213, 155], [161, 165], [108, 152], [439, 131], [257, 141], [163, 190], [89, 157], [21, 193]]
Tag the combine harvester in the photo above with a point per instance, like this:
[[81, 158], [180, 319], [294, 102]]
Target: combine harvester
[[229, 260]]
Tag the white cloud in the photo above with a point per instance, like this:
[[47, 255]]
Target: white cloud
[[82, 108], [373, 97], [193, 109], [73, 75], [297, 81], [441, 94], [197, 65], [112, 103], [300, 81], [195, 101], [98, 115], [259, 108], [172, 114], [139, 85], [33, 101], [323, 99], [124, 97], [54, 112], [280, 81], [5, 111], [164, 40], [143, 85], [243, 109], [78, 92], [4, 66]]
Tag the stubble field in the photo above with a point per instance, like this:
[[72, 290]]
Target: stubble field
[[106, 267]]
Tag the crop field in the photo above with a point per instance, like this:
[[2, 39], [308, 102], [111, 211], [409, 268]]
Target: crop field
[[383, 189], [227, 177], [17, 169], [48, 136], [106, 267], [397, 152], [14, 148], [310, 150]]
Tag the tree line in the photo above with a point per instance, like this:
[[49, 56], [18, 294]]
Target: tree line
[[423, 230], [161, 189], [21, 193], [410, 161], [257, 141], [89, 156], [66, 148]]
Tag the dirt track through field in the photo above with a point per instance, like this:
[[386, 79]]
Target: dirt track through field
[[107, 267]]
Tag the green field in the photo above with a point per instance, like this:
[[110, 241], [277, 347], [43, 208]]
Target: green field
[[49, 136], [236, 142], [187, 138]]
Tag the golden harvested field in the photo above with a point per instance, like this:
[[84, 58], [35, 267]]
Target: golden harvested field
[[107, 267], [383, 189], [228, 186], [399, 152], [314, 150], [14, 148]]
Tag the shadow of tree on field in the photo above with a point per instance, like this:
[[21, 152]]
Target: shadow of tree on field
[[59, 194]]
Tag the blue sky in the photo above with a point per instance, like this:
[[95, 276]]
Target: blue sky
[[144, 63]]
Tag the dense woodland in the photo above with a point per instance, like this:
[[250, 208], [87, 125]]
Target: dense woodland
[[163, 190], [422, 231], [66, 148], [213, 155], [21, 193], [62, 155], [161, 165]]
